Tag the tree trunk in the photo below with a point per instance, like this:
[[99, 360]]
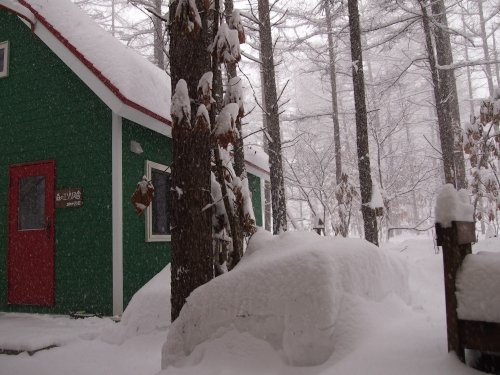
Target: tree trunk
[[192, 254], [365, 179], [486, 52], [158, 39], [273, 121], [469, 76], [448, 89], [335, 114], [442, 110], [495, 53]]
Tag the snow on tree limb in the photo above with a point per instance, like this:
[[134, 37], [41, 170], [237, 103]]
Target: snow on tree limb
[[202, 117], [236, 24], [234, 94], [181, 106], [226, 45], [205, 89], [187, 17], [225, 124]]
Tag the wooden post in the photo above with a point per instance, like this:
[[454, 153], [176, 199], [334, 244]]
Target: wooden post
[[456, 243]]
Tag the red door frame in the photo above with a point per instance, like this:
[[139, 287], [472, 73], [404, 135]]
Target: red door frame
[[30, 253]]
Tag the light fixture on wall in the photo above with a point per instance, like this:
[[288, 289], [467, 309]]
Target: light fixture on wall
[[136, 148]]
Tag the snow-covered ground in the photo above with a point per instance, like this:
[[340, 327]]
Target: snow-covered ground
[[394, 336]]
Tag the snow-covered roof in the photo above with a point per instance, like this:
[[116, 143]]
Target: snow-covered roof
[[257, 161], [129, 84]]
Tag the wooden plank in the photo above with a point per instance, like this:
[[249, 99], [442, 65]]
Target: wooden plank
[[482, 336]]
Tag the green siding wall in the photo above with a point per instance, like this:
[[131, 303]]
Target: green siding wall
[[141, 260], [47, 112], [254, 186]]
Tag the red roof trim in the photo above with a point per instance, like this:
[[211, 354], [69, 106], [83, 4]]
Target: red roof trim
[[92, 68]]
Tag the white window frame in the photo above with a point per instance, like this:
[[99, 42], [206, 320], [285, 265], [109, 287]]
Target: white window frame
[[150, 237], [5, 71]]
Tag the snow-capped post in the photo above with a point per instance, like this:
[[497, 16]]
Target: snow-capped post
[[455, 231], [192, 254]]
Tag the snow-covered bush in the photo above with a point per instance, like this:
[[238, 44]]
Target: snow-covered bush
[[288, 290]]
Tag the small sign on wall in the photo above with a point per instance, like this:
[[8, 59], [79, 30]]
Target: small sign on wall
[[69, 198]]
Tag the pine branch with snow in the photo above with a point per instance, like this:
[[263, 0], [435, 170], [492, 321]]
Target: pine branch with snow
[[181, 105], [226, 45], [187, 17], [235, 23], [205, 89]]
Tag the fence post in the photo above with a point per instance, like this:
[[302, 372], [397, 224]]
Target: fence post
[[456, 243]]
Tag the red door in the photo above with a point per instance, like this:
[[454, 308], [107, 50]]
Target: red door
[[30, 259]]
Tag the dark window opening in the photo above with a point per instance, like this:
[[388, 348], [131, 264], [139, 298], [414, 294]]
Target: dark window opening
[[31, 214], [160, 204]]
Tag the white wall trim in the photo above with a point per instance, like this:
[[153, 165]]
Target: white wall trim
[[117, 214], [263, 201]]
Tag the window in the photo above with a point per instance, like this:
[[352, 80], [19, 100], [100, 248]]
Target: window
[[158, 213], [4, 59], [31, 206]]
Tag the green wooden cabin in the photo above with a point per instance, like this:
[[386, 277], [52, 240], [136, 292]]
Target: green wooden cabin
[[82, 119]]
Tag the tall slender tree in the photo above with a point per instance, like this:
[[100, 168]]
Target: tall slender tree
[[365, 178], [272, 121], [448, 88]]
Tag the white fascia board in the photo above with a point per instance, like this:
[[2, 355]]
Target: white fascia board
[[117, 212], [147, 121], [257, 172], [96, 85]]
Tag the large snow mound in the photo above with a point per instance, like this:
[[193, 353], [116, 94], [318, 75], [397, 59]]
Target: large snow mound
[[478, 287], [147, 311], [289, 290]]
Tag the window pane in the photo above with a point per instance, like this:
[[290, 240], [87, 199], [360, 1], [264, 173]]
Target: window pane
[[2, 58], [31, 208], [160, 205]]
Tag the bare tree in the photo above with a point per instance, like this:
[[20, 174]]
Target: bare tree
[[365, 179], [271, 110]]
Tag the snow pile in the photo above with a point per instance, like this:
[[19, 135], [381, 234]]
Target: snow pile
[[32, 332], [148, 311], [478, 287], [292, 291], [453, 206]]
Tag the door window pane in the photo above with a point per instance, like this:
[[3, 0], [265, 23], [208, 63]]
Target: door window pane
[[31, 208], [160, 204]]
